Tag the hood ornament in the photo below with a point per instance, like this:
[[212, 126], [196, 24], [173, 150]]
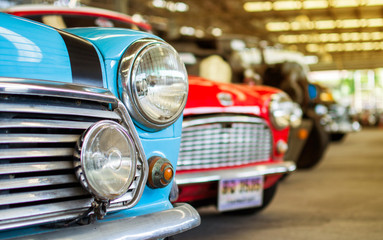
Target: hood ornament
[[225, 99]]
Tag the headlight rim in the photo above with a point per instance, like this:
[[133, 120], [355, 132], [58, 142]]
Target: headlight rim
[[277, 98], [81, 173], [126, 85]]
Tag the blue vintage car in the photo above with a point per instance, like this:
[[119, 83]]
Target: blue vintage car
[[89, 133]]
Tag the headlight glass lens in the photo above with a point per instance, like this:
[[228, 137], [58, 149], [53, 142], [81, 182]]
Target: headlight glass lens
[[157, 85], [281, 108], [108, 160], [296, 115]]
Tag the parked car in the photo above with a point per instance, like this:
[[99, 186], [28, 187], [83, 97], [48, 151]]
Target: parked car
[[310, 140], [230, 110], [233, 142], [338, 120], [90, 132]]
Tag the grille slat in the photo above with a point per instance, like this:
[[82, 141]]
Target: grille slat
[[221, 141], [34, 167], [41, 123], [41, 195], [30, 211], [37, 138], [35, 152], [57, 110], [16, 183]]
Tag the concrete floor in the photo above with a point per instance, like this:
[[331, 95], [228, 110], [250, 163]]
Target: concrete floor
[[341, 198]]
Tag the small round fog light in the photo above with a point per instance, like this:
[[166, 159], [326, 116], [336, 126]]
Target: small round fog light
[[161, 172], [105, 160]]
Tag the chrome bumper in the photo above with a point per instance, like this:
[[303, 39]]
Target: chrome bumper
[[151, 226], [216, 175]]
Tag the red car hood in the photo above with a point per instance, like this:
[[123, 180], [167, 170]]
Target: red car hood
[[206, 97]]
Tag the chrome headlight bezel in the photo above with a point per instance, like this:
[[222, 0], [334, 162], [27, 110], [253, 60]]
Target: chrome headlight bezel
[[284, 112], [127, 85], [86, 176]]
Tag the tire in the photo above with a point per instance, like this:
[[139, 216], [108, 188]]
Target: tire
[[268, 195], [337, 137], [315, 147]]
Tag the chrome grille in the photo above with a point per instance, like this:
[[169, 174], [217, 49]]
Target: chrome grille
[[222, 141], [38, 133]]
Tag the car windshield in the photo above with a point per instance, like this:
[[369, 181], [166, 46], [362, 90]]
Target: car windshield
[[72, 20]]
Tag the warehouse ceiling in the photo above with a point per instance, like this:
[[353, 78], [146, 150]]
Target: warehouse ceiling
[[342, 34]]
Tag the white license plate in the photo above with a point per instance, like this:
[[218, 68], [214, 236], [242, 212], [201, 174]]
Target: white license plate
[[240, 193]]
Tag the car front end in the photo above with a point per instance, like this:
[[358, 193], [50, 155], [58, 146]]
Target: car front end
[[234, 137], [86, 121]]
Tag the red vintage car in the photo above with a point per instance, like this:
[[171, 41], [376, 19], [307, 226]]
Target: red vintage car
[[234, 136], [233, 142]]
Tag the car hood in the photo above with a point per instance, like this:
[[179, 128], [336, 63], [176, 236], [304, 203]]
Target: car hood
[[58, 56], [208, 97]]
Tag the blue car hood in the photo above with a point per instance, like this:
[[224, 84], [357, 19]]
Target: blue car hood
[[57, 56]]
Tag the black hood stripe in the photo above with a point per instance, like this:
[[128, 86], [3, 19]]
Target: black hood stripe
[[84, 60]]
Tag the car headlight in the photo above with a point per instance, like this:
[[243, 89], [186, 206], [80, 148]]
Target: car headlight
[[153, 83], [321, 109], [284, 112], [296, 115], [105, 160]]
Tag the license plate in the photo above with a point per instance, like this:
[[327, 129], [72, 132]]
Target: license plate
[[240, 193]]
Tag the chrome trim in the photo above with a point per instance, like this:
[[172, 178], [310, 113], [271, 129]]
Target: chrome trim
[[47, 212], [249, 171], [41, 195], [37, 138], [34, 167], [142, 163], [25, 123], [55, 89], [220, 119], [208, 143], [35, 152], [6, 184], [23, 108], [126, 85], [150, 226]]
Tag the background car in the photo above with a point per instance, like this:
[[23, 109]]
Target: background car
[[311, 137], [86, 138], [337, 119], [233, 142]]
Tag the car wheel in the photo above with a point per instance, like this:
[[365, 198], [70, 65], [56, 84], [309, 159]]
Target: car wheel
[[268, 195], [315, 146], [337, 137]]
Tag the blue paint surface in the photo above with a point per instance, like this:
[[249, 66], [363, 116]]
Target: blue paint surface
[[32, 50]]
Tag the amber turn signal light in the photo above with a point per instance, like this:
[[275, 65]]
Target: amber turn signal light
[[161, 172]]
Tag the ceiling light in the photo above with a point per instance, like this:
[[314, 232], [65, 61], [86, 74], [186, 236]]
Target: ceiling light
[[349, 23], [287, 5], [374, 2], [375, 22], [217, 32], [188, 31], [159, 3], [182, 7], [342, 3], [278, 26], [312, 47], [325, 24], [257, 6], [199, 33], [315, 4]]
